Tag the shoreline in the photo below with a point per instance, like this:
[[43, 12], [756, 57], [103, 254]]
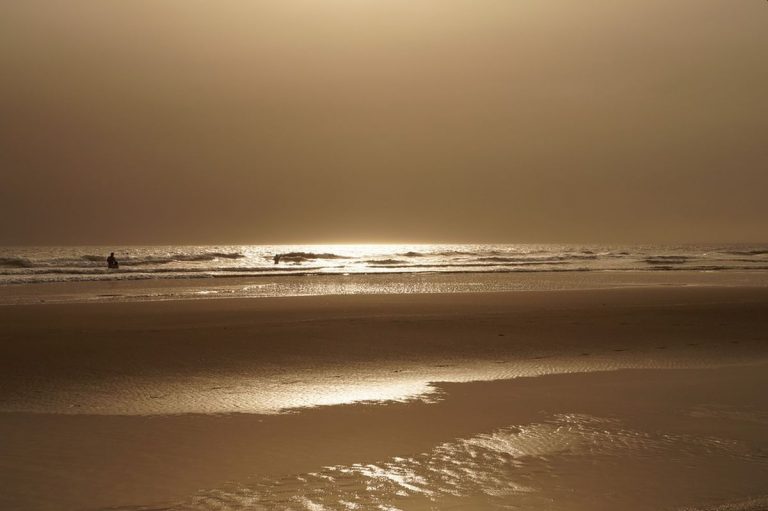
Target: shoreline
[[364, 284]]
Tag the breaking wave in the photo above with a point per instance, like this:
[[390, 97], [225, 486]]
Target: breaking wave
[[90, 260], [455, 253], [537, 260], [663, 259], [209, 256], [308, 256], [747, 252], [94, 258], [25, 265], [15, 262], [385, 262]]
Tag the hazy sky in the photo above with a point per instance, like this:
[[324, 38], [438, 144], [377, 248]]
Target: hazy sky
[[167, 121]]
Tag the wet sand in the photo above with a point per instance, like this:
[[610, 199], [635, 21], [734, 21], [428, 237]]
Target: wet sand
[[365, 284], [138, 404]]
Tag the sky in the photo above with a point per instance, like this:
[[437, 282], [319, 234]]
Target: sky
[[319, 121]]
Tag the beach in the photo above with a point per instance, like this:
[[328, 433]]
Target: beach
[[632, 398], [383, 256]]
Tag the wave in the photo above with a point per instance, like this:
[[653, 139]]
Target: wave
[[98, 274], [711, 267], [148, 271], [15, 262], [396, 267], [106, 276], [584, 256], [387, 262], [473, 265], [228, 255], [498, 259], [91, 260], [89, 263], [138, 276], [450, 253], [539, 260], [185, 258], [667, 259], [307, 256], [747, 252]]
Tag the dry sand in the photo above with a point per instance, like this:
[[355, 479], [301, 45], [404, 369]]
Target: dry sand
[[172, 404]]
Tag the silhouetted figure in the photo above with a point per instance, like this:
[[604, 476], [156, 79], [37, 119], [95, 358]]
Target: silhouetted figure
[[112, 262], [277, 258]]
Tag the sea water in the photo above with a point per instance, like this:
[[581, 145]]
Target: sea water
[[242, 271], [20, 265]]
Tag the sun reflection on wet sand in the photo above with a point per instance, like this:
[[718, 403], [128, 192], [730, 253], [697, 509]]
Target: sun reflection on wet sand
[[274, 390], [525, 466]]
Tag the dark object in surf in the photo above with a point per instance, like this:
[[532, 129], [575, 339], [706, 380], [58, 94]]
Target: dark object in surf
[[112, 262]]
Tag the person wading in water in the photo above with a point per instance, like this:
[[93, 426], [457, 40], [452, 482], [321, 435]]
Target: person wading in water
[[112, 262]]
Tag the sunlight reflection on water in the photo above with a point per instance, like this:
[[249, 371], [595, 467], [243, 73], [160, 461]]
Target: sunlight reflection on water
[[525, 466], [273, 390]]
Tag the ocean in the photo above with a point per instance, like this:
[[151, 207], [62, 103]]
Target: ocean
[[27, 265]]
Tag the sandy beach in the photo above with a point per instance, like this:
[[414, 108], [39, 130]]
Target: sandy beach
[[383, 255], [646, 398]]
